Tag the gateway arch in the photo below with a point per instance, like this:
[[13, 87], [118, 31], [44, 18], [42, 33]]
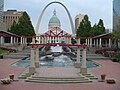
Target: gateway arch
[[40, 17]]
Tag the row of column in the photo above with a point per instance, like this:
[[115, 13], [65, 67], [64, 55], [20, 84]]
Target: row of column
[[96, 42], [100, 42], [13, 40], [23, 40], [45, 40]]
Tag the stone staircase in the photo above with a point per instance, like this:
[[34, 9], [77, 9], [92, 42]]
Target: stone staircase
[[58, 80]]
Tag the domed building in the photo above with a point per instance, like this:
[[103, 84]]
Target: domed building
[[55, 34], [54, 21]]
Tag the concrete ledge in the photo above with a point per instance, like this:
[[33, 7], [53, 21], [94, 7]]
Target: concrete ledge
[[31, 70], [37, 65], [83, 70], [77, 65]]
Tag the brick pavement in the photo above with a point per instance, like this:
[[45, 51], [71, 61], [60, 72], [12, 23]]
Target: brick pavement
[[109, 68]]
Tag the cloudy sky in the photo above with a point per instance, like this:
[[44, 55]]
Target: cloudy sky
[[95, 9]]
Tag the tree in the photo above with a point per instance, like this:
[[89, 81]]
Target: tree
[[23, 27], [98, 29], [84, 28], [73, 41]]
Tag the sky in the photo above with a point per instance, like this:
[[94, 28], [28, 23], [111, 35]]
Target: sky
[[95, 9]]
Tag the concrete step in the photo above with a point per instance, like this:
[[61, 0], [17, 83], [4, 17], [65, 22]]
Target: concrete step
[[59, 82], [90, 76], [57, 79], [37, 79]]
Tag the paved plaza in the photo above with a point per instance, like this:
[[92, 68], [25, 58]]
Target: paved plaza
[[111, 69]]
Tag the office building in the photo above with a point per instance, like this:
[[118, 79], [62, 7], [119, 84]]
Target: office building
[[116, 14], [10, 16], [78, 19], [1, 13]]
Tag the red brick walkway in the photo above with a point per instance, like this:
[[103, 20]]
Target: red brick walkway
[[109, 68]]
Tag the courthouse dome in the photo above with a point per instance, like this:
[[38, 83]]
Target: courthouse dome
[[54, 21]]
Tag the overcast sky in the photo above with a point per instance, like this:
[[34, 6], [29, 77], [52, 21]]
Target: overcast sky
[[95, 9]]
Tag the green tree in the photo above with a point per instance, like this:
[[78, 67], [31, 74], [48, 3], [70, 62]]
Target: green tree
[[98, 29], [84, 28], [23, 27], [73, 41]]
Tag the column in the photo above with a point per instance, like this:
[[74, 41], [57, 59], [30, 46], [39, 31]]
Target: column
[[90, 42], [17, 40], [46, 40], [49, 39], [2, 40], [37, 57], [25, 40], [14, 38], [100, 43], [39, 40], [32, 60], [86, 41], [78, 64], [94, 43], [83, 68], [97, 42], [11, 41], [21, 40], [33, 40], [109, 42], [59, 39], [78, 41], [69, 40]]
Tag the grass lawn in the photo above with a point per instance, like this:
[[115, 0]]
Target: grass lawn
[[3, 52]]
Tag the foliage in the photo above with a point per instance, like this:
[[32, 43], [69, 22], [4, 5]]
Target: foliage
[[117, 56], [85, 29], [2, 51], [23, 27], [98, 29], [73, 41]]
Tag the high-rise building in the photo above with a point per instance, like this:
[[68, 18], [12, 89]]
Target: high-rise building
[[116, 14], [10, 16], [78, 19], [1, 13]]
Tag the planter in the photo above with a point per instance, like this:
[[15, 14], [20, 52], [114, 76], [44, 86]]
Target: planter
[[11, 76], [111, 81], [103, 76]]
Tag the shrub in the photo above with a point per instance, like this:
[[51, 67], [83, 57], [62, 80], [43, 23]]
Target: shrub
[[117, 56]]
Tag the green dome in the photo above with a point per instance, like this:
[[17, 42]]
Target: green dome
[[54, 20]]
